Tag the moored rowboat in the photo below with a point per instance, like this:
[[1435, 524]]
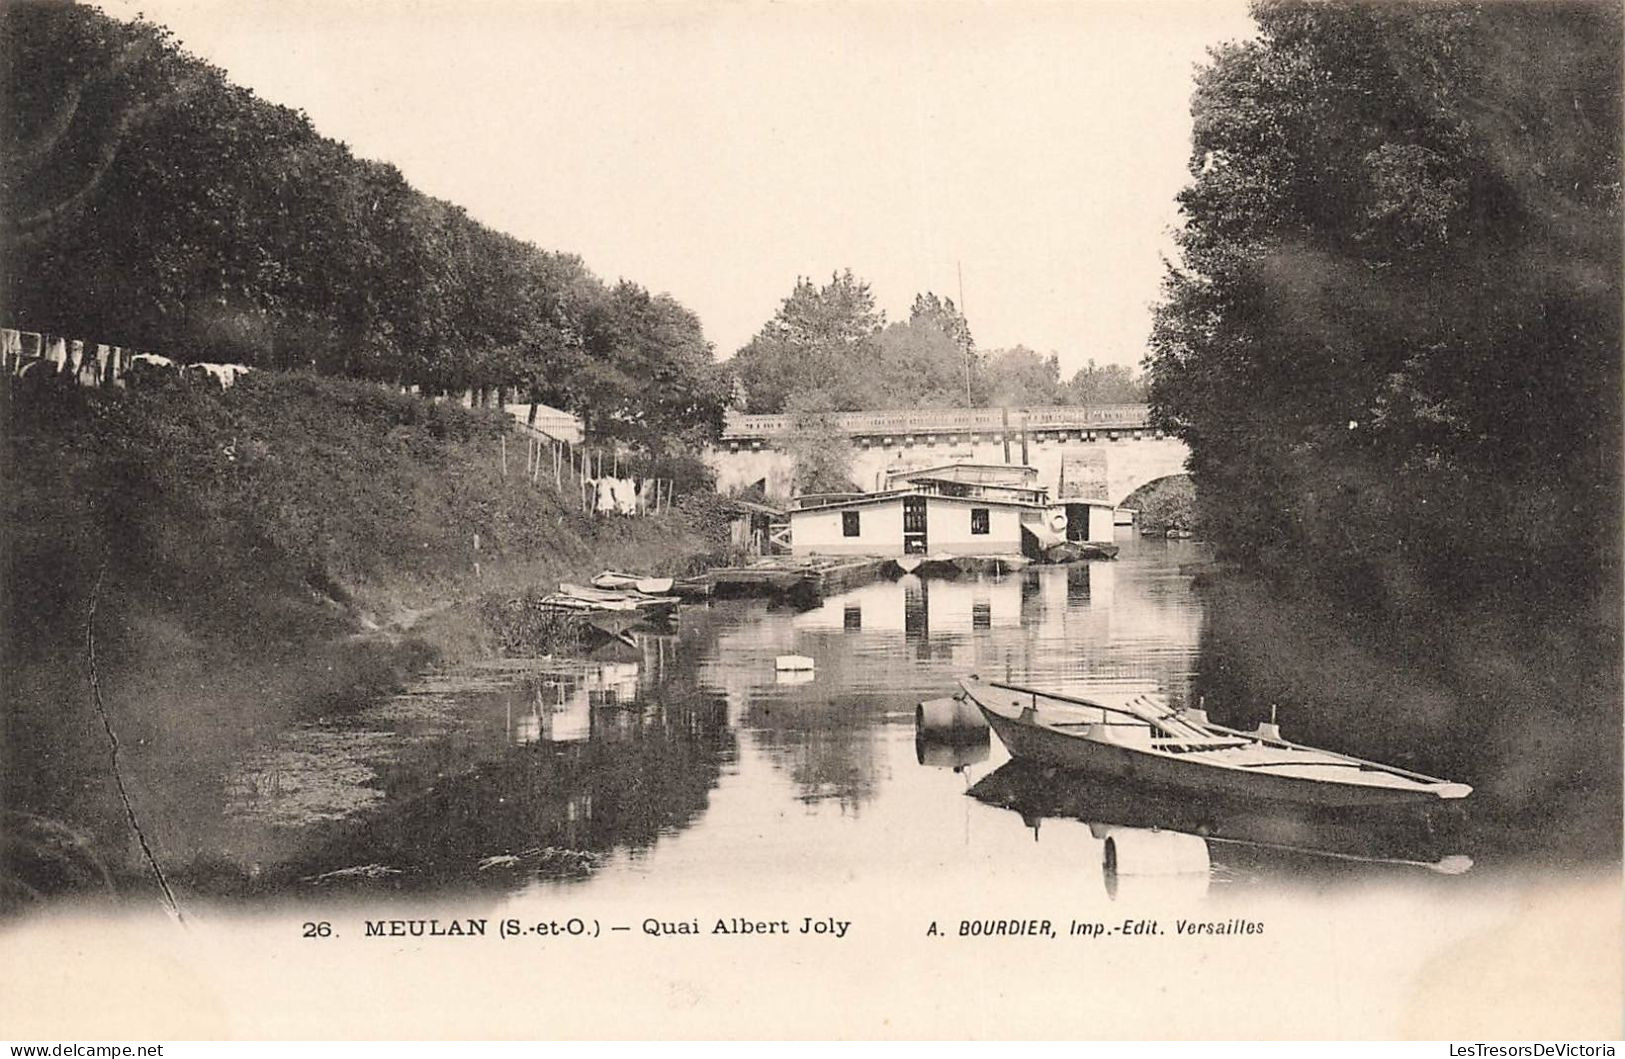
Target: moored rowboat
[[1140, 737], [649, 586]]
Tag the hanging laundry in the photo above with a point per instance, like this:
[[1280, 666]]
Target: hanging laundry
[[626, 496], [11, 348], [605, 500], [56, 351], [33, 345]]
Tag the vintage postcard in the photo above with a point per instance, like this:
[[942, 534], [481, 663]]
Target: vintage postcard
[[564, 520]]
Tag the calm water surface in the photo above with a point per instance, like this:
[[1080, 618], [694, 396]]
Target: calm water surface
[[687, 761]]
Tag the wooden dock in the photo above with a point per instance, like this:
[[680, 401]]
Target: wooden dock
[[807, 577]]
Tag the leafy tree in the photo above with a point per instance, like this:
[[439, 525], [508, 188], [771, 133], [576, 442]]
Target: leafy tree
[[1104, 384], [1019, 377], [1396, 311], [649, 375], [914, 365], [944, 315], [819, 341], [820, 453], [1165, 504]]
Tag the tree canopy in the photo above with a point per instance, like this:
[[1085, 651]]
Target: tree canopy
[[831, 341], [1392, 337], [151, 203]]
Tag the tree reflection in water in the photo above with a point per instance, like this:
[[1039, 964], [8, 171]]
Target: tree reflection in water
[[590, 771]]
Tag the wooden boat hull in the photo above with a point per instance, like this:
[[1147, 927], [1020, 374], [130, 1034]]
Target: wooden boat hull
[[1043, 745], [649, 586]]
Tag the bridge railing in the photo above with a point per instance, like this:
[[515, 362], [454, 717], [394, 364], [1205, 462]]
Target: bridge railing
[[949, 420]]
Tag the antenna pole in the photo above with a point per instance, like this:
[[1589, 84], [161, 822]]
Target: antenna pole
[[959, 268]]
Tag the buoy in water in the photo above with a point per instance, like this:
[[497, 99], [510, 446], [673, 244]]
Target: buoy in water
[[949, 718]]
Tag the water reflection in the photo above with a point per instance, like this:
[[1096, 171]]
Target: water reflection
[[1247, 838], [681, 755], [594, 768]]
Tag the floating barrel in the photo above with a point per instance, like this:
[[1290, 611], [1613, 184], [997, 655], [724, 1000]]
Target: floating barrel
[[950, 718], [954, 754]]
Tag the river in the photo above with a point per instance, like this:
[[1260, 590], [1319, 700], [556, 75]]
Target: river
[[687, 760]]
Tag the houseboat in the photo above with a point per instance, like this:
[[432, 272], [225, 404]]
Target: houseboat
[[963, 509]]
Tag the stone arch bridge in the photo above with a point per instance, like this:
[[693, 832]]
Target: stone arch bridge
[[1101, 452]]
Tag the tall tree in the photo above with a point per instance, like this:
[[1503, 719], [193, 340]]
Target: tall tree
[[818, 341], [820, 454], [1396, 311], [1095, 384], [649, 377], [1020, 377]]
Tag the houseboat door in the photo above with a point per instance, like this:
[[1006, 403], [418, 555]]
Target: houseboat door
[[914, 525]]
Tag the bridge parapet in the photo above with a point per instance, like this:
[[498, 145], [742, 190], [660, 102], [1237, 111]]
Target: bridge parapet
[[740, 427]]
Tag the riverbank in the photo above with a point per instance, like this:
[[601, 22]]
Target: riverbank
[[191, 568]]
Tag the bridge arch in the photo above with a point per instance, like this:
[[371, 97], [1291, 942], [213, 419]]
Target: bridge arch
[[1129, 499]]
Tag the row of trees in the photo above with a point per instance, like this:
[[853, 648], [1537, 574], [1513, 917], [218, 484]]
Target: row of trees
[[152, 203], [829, 348]]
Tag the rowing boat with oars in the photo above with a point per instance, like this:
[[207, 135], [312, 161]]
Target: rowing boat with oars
[[1140, 737]]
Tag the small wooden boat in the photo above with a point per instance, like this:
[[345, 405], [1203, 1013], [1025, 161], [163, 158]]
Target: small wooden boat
[[649, 586], [1140, 737], [579, 598]]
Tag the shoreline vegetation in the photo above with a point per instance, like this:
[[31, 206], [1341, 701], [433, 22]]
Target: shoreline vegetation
[[224, 563]]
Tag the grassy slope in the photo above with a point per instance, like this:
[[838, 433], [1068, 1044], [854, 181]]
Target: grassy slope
[[254, 556]]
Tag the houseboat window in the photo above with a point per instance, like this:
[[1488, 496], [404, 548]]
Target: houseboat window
[[978, 520], [849, 523]]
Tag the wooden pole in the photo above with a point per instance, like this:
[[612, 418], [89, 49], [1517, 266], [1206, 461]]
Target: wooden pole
[[504, 440]]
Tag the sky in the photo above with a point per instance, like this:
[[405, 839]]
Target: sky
[[717, 151]]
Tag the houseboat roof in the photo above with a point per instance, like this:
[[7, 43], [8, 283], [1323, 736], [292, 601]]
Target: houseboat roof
[[826, 501], [978, 473]]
